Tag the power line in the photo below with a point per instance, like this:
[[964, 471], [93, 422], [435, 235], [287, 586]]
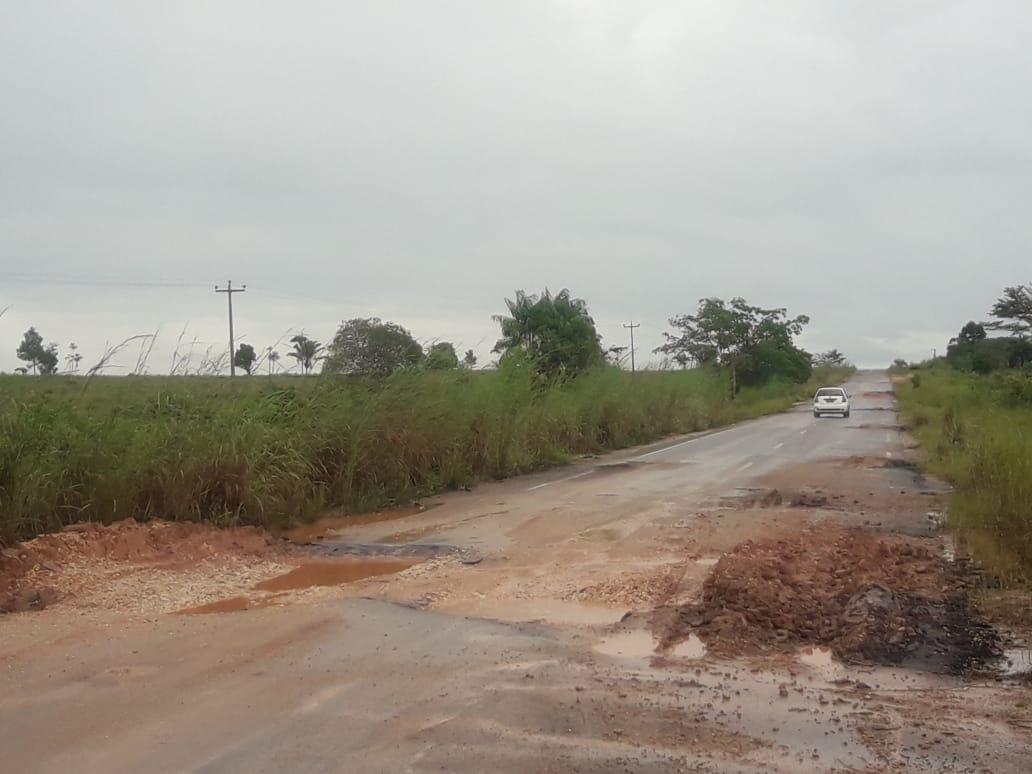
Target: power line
[[229, 290], [69, 279]]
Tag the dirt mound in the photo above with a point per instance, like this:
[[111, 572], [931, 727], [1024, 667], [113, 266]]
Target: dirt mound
[[877, 598], [29, 570], [152, 541]]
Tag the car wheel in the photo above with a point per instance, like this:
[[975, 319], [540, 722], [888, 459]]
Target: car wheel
[[816, 415], [846, 415]]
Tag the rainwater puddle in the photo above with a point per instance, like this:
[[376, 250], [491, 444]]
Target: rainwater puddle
[[333, 573], [693, 647], [823, 663], [636, 644], [1017, 661]]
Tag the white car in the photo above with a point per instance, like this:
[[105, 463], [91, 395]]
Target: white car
[[831, 400]]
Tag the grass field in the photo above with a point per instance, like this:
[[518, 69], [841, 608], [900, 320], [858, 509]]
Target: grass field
[[977, 431], [278, 451]]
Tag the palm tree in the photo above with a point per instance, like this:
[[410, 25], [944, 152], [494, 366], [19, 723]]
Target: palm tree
[[555, 330], [306, 352], [273, 357], [73, 358]]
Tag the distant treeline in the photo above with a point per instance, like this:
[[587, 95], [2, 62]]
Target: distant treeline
[[553, 332]]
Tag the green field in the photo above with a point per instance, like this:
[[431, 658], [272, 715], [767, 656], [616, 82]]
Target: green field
[[278, 451], [977, 432]]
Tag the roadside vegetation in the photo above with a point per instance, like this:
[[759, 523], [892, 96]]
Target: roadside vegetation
[[384, 424], [972, 412]]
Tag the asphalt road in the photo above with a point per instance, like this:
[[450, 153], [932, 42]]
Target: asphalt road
[[500, 665]]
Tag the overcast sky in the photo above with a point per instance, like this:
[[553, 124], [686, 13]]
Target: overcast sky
[[866, 163]]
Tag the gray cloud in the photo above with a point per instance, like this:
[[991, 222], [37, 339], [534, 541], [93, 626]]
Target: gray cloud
[[865, 163]]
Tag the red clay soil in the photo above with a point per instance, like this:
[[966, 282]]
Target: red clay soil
[[878, 598], [25, 567]]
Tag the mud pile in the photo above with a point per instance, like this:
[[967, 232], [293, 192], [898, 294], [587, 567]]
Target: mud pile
[[866, 597], [148, 541], [28, 571]]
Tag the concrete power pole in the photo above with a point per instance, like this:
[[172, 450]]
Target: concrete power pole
[[631, 326], [229, 290]]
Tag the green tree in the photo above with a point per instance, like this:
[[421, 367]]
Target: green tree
[[830, 358], [441, 357], [1013, 311], [554, 331], [43, 360], [245, 358], [307, 352], [469, 359], [752, 343], [48, 362], [372, 347], [971, 333]]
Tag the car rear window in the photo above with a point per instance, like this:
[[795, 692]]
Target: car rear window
[[825, 392]]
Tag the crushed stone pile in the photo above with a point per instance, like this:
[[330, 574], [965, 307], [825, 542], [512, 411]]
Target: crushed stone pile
[[866, 597], [30, 571]]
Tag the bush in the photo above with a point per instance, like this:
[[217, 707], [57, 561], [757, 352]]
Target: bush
[[979, 432]]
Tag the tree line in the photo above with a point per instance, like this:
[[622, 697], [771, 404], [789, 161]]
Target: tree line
[[974, 350], [551, 333]]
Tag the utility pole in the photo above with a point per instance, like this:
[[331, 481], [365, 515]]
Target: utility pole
[[631, 326], [229, 290]]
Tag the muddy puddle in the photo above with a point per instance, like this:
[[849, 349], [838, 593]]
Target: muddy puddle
[[691, 648], [635, 644], [319, 529], [313, 574]]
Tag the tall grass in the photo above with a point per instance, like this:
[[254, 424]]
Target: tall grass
[[278, 451], [977, 431]]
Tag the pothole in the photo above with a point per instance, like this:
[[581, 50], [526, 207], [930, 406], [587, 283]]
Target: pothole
[[332, 547], [313, 574]]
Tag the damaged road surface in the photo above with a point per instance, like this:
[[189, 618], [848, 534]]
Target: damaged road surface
[[774, 596]]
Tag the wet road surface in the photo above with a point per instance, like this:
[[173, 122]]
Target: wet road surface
[[524, 644]]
